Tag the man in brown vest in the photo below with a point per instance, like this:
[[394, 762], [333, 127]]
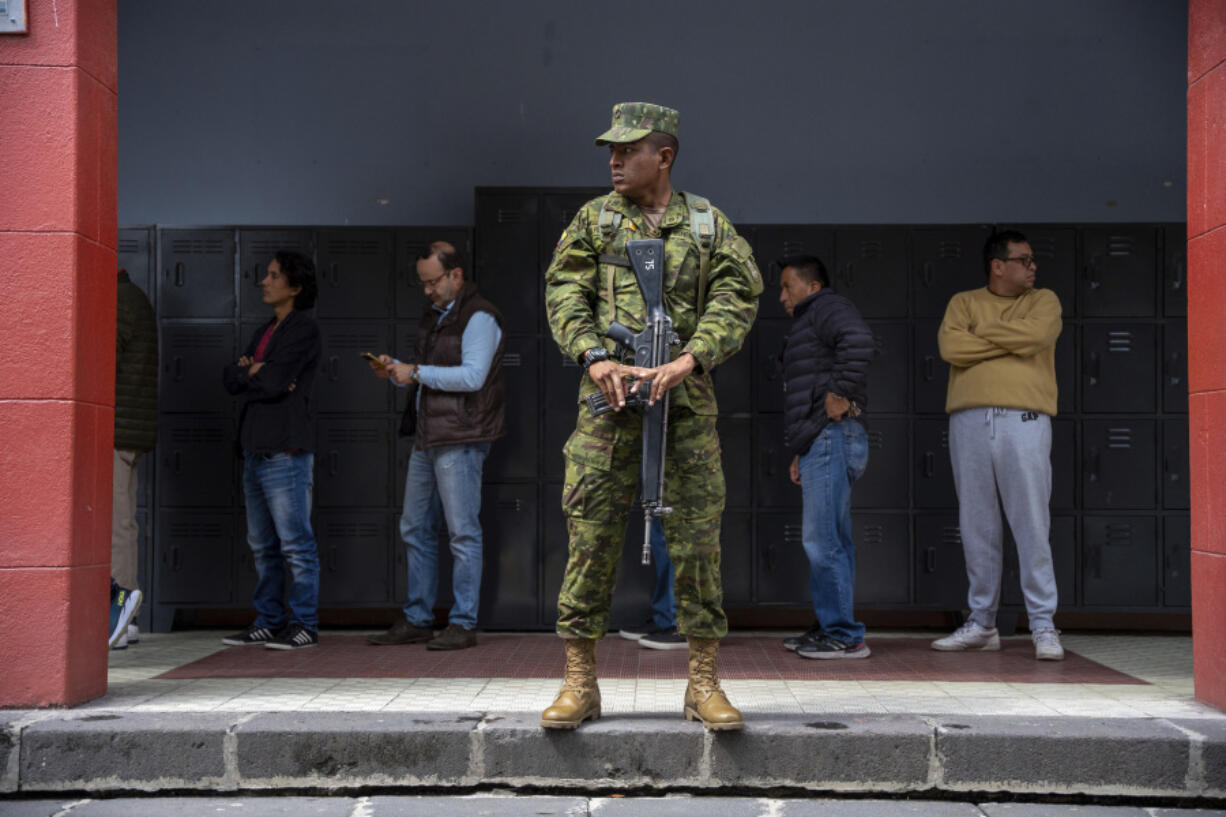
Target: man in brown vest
[[456, 408]]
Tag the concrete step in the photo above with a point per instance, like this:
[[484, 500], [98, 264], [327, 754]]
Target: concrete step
[[65, 751]]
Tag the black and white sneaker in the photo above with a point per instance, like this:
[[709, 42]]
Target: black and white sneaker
[[810, 636], [293, 637], [249, 636], [831, 647], [668, 639], [638, 631]]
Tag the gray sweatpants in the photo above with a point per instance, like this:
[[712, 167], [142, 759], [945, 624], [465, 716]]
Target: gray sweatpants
[[1009, 450]]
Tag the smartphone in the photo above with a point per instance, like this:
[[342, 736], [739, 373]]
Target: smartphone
[[373, 359]]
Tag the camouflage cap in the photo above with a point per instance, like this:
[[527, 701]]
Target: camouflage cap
[[634, 120]]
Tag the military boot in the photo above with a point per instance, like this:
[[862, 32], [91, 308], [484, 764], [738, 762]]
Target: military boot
[[704, 700], [579, 698]]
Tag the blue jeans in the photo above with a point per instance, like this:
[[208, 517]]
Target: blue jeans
[[663, 608], [836, 459], [448, 476], [278, 490]]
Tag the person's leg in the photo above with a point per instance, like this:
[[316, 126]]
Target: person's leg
[[288, 484], [457, 471], [124, 531], [663, 608], [1023, 466], [265, 549], [970, 452], [419, 530], [827, 471]]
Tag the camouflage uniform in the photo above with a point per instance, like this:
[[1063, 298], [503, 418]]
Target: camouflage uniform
[[603, 455]]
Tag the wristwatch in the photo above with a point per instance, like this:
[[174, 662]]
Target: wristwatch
[[593, 355]]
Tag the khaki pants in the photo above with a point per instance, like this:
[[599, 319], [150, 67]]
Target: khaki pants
[[124, 531]]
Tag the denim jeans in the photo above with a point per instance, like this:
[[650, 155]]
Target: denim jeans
[[836, 459], [278, 490], [446, 479], [663, 609]]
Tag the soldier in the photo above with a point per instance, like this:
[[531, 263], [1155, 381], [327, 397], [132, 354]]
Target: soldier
[[711, 290]]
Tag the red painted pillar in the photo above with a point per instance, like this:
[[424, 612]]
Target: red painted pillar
[[1207, 340], [58, 104]]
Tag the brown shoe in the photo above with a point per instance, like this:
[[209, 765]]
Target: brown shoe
[[579, 698], [704, 700], [454, 637], [402, 632]]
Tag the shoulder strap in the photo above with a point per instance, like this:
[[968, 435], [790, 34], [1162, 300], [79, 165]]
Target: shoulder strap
[[609, 221], [702, 223]]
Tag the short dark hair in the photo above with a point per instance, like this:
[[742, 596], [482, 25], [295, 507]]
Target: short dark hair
[[809, 268], [657, 140], [446, 254], [299, 271], [997, 247]]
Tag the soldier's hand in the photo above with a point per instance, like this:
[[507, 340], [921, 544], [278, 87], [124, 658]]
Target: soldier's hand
[[794, 469], [607, 375], [381, 368], [663, 377], [836, 406]]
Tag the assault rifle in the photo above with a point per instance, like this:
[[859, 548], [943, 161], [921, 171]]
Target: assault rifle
[[650, 349]]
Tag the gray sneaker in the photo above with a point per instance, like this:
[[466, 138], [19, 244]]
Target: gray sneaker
[[970, 636], [1047, 645]]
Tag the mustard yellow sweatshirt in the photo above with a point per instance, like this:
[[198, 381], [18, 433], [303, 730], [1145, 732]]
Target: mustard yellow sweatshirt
[[1001, 350]]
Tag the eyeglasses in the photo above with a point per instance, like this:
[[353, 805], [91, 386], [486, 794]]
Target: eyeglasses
[[427, 283], [1025, 260]]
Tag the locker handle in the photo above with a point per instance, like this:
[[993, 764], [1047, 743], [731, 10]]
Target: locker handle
[[1172, 365], [180, 273], [335, 273], [929, 464], [255, 275], [770, 558], [1179, 270], [1093, 474], [174, 559], [177, 368], [332, 559], [1091, 272], [1096, 561], [927, 273], [850, 273], [334, 367], [1093, 368], [930, 559], [929, 367], [334, 462]]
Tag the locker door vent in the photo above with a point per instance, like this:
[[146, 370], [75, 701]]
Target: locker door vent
[[1120, 245], [342, 436], [793, 535], [516, 505], [215, 339], [352, 530], [871, 249], [194, 435], [876, 439], [1119, 341], [948, 248], [353, 246], [506, 216], [872, 535], [1044, 248], [1119, 534], [127, 246], [951, 536], [1119, 438], [512, 359], [195, 529], [197, 246], [354, 339], [266, 247], [793, 247]]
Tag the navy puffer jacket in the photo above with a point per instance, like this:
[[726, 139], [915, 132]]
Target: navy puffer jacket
[[827, 349]]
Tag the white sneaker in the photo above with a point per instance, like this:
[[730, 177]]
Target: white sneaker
[[970, 636], [133, 634], [122, 642], [1047, 645]]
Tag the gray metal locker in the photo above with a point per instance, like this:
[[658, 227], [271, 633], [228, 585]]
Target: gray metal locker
[[940, 568], [1063, 538], [889, 375], [197, 274], [870, 268], [736, 558], [351, 462], [1055, 252], [944, 262], [1175, 367], [509, 270], [883, 558], [410, 298], [885, 483], [934, 475], [1066, 369], [516, 455], [1175, 270], [772, 486], [196, 461], [1119, 369], [354, 563], [136, 255], [1176, 561], [1118, 464], [511, 570], [782, 567], [1118, 276], [931, 372], [255, 249], [193, 552], [555, 544], [1064, 464], [1120, 561], [768, 366], [345, 382], [1175, 463], [404, 349], [736, 458], [732, 378], [774, 241], [191, 361], [354, 273]]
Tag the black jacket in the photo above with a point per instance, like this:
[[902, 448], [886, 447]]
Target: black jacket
[[275, 417], [827, 349]]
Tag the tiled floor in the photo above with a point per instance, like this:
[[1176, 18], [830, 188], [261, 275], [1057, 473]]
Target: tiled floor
[[1112, 676]]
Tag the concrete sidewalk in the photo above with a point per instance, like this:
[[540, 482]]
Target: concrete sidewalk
[[1143, 738]]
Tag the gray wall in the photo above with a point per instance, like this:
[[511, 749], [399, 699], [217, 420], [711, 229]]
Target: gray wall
[[369, 112]]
